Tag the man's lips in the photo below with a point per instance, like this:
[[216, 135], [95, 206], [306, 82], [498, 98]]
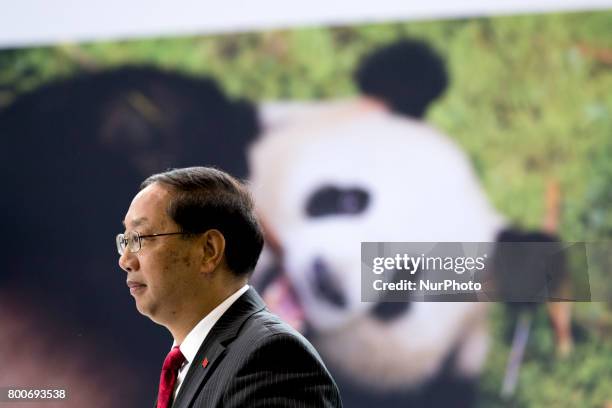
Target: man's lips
[[135, 287]]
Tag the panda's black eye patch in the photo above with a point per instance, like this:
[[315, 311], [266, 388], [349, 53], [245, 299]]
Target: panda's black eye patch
[[330, 200]]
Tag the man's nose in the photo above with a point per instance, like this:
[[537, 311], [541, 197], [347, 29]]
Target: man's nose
[[128, 261]]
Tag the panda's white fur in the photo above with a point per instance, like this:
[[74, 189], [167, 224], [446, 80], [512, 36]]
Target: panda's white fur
[[422, 188]]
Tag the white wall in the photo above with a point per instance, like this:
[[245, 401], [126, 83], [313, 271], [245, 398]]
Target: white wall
[[38, 22]]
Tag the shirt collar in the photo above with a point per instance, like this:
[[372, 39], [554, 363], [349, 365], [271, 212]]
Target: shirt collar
[[192, 342]]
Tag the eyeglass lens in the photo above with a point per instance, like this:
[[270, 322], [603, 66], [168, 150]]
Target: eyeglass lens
[[129, 241]]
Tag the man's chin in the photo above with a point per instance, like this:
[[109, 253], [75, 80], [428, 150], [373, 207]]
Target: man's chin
[[143, 306], [149, 310]]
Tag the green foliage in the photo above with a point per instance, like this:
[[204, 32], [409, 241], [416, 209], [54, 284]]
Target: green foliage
[[530, 100], [579, 380]]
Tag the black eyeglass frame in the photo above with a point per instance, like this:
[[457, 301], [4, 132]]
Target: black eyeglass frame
[[121, 238]]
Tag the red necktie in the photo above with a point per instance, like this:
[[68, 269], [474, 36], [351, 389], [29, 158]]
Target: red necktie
[[170, 369]]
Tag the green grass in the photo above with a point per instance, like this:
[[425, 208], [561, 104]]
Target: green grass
[[581, 380], [530, 100]]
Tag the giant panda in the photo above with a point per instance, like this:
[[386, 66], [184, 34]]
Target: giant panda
[[328, 175]]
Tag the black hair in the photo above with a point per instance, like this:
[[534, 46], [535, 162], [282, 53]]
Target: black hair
[[205, 198]]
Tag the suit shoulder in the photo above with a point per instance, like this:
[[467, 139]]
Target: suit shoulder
[[271, 358], [265, 324], [263, 328]]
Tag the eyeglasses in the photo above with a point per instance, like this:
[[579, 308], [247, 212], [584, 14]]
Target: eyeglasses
[[133, 240]]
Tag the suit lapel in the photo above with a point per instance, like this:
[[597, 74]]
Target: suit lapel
[[213, 348]]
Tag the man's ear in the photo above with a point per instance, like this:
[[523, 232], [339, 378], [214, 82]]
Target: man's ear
[[213, 247]]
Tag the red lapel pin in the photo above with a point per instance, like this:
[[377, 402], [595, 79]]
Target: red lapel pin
[[204, 362]]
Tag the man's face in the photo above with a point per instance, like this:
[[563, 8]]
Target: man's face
[[164, 275]]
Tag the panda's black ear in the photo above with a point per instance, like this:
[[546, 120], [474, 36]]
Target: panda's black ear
[[518, 235], [407, 75], [525, 271], [152, 119]]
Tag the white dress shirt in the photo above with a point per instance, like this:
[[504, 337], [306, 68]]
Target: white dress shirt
[[190, 346]]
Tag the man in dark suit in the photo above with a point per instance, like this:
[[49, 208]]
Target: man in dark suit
[[191, 241]]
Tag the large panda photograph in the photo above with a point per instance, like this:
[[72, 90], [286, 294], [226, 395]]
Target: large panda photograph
[[486, 129]]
